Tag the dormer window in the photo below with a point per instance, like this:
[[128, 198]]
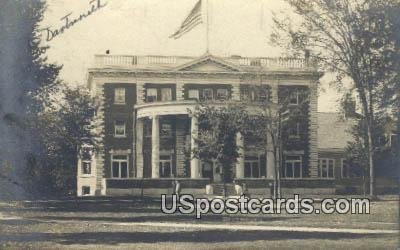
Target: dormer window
[[119, 95]]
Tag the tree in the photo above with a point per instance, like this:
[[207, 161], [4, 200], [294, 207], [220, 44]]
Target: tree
[[218, 127], [63, 126], [24, 70], [354, 39], [272, 123]]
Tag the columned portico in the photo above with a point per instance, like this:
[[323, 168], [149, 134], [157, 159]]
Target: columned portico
[[240, 160], [139, 148], [155, 145], [194, 162]]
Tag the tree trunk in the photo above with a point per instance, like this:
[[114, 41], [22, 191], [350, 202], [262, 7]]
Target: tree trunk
[[371, 164]]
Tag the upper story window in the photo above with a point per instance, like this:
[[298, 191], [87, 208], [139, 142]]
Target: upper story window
[[151, 95], [222, 94], [208, 94], [86, 161], [193, 94], [119, 95], [326, 168], [160, 92], [119, 129], [294, 131], [254, 93], [166, 130], [166, 94]]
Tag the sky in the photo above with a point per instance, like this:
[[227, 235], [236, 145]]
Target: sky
[[143, 27]]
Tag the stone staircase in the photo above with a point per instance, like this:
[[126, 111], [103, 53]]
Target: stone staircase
[[218, 189]]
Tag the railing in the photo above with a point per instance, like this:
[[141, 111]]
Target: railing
[[128, 61], [134, 61]]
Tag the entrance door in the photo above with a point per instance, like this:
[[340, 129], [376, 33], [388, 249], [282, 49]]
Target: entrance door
[[217, 172], [207, 170]]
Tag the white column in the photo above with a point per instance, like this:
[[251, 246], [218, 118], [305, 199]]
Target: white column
[[155, 147], [139, 148], [194, 162], [240, 160], [270, 159]]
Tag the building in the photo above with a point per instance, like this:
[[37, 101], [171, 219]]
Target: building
[[147, 130]]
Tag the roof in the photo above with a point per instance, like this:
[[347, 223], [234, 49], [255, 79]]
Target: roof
[[334, 131], [178, 63]]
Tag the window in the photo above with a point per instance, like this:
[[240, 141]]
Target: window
[[166, 130], [294, 98], [254, 93], [293, 167], [326, 168], [119, 95], [222, 94], [263, 95], [166, 94], [86, 167], [86, 157], [294, 132], [85, 190], [251, 167], [151, 95], [345, 169], [165, 166], [393, 140], [119, 166], [208, 94], [193, 94], [119, 129]]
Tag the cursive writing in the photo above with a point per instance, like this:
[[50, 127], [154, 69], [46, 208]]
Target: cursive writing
[[95, 5]]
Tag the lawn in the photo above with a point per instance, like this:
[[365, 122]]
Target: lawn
[[93, 224]]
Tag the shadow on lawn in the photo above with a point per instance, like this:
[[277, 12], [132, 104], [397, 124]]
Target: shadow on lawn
[[212, 236], [171, 218], [146, 205]]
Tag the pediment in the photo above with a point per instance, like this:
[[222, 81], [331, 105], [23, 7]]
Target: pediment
[[208, 64]]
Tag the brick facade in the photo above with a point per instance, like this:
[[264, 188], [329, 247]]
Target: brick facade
[[157, 101]]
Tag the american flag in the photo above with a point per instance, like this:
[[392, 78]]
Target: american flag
[[191, 21]]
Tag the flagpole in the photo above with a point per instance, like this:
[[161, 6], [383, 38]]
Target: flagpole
[[207, 28]]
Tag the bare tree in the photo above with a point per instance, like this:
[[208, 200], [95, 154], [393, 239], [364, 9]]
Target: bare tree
[[271, 121]]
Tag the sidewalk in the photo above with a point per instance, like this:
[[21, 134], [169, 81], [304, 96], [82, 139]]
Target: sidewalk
[[258, 228]]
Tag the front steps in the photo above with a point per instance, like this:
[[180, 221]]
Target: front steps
[[217, 189]]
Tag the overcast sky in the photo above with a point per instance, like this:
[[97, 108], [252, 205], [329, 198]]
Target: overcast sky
[[142, 27]]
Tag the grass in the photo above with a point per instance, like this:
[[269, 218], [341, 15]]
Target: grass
[[94, 224]]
